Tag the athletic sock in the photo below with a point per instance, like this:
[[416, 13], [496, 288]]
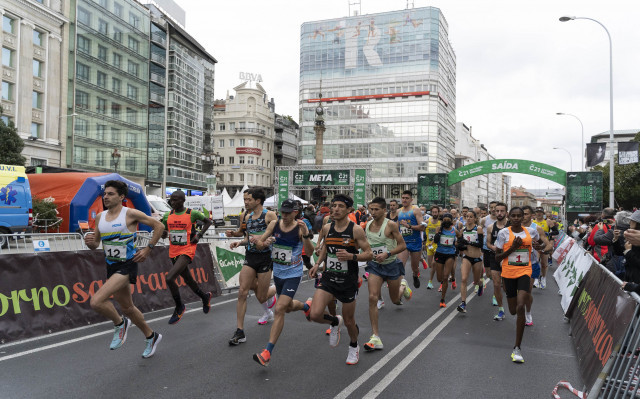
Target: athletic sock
[[270, 347], [333, 319], [152, 334], [265, 306], [178, 300], [121, 323], [353, 344], [501, 308], [201, 294], [305, 307]]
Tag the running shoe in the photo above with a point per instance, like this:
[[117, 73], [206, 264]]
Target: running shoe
[[443, 304], [238, 338], [365, 276], [476, 288], [462, 308], [262, 357], [374, 344], [354, 355], [440, 288], [516, 355], [151, 345], [334, 336], [453, 284], [359, 282], [380, 304], [424, 264], [536, 283], [328, 331], [407, 293], [429, 285], [543, 283], [528, 320], [271, 302], [120, 334], [206, 304], [493, 301], [266, 317], [499, 316], [480, 289], [177, 315], [416, 281], [307, 314]]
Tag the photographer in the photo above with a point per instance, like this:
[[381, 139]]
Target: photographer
[[607, 220], [578, 230], [613, 239], [632, 257]]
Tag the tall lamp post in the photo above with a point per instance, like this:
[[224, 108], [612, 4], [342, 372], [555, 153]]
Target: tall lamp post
[[319, 129], [582, 149], [611, 156], [570, 157], [115, 156]]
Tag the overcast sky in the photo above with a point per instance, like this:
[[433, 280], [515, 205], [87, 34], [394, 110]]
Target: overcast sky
[[517, 65]]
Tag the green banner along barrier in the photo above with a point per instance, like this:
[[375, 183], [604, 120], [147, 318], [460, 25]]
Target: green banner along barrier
[[508, 165], [321, 178], [432, 189], [359, 194], [229, 262], [584, 191], [283, 186]]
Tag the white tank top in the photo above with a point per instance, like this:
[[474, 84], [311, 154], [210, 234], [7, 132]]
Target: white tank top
[[117, 241]]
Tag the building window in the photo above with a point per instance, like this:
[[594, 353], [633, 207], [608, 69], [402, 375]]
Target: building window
[[222, 127], [7, 91], [242, 125], [250, 142], [131, 163], [36, 130], [117, 9], [84, 44], [230, 177], [8, 24], [232, 126], [132, 92], [103, 3], [232, 142], [37, 68], [134, 20], [117, 35], [101, 107], [8, 57], [100, 131], [250, 160], [221, 143], [131, 140], [79, 154], [115, 135], [37, 38], [117, 60], [241, 177], [241, 142], [241, 159], [132, 116], [132, 68], [102, 53], [84, 16], [81, 127], [6, 120], [102, 79], [82, 71], [82, 99], [38, 162], [36, 100], [133, 44], [115, 85], [116, 110], [103, 27], [101, 157], [221, 161], [249, 178], [231, 160]]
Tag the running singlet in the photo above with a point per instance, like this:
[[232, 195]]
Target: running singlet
[[395, 219], [256, 227], [487, 222], [287, 253], [471, 236], [432, 229], [340, 271], [181, 227], [118, 242], [447, 242], [518, 263], [542, 223], [494, 233], [410, 236], [380, 243], [535, 257]]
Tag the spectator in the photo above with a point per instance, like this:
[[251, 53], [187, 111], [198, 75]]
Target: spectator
[[613, 239], [317, 222], [632, 256], [607, 219], [578, 230]]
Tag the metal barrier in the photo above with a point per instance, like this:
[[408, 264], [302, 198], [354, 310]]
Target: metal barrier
[[41, 242]]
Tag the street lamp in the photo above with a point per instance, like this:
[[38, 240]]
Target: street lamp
[[115, 156], [582, 135], [611, 157], [570, 158]]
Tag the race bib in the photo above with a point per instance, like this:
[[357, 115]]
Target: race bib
[[178, 237], [432, 233], [115, 251], [379, 250], [446, 241], [335, 265], [470, 236], [281, 254], [519, 257], [406, 231]]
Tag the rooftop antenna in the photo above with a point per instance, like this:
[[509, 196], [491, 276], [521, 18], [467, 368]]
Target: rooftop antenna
[[355, 12], [412, 4]]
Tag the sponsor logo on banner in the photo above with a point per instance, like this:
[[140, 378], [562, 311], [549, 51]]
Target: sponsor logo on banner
[[248, 150], [573, 264]]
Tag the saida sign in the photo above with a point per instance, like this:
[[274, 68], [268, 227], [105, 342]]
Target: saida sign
[[508, 165]]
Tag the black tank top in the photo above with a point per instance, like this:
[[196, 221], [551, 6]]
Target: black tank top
[[395, 219], [495, 231], [341, 240]]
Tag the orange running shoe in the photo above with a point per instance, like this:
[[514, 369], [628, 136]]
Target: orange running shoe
[[262, 357]]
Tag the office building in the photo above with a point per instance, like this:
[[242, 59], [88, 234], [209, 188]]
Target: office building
[[285, 141]]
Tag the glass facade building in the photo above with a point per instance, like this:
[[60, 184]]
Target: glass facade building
[[109, 87], [388, 91]]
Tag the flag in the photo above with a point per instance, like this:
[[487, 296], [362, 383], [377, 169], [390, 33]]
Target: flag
[[628, 153], [595, 153]]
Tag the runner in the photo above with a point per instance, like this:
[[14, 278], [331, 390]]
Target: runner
[[393, 211], [487, 254], [256, 272], [535, 261], [410, 222], [544, 260], [116, 228], [433, 225], [332, 307], [445, 256], [340, 281], [180, 226], [496, 268], [472, 238], [513, 251], [386, 242], [287, 237]]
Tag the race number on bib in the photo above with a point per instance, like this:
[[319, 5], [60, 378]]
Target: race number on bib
[[379, 250], [432, 233], [115, 251], [406, 231], [519, 257], [178, 237], [335, 265], [281, 254], [470, 236], [446, 241]]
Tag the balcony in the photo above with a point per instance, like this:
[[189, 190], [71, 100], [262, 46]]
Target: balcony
[[278, 137], [158, 59], [277, 151], [157, 78], [251, 130], [156, 98], [157, 38]]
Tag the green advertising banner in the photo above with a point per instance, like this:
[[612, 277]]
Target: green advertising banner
[[283, 186], [508, 166], [584, 191], [359, 192], [229, 262], [432, 189], [321, 178]]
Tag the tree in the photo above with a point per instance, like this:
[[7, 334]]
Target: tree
[[626, 183], [11, 145]]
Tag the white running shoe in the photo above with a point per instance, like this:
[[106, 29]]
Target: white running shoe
[[354, 355], [536, 283], [266, 317], [516, 355], [543, 282], [271, 302], [380, 304], [334, 336]]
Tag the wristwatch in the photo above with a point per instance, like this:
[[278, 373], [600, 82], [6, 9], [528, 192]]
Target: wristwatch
[[355, 257], [388, 254], [150, 246], [309, 236]]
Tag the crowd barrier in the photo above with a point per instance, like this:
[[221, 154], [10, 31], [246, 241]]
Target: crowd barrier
[[41, 242]]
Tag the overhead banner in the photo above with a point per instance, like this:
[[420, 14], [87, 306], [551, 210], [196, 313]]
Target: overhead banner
[[359, 193], [628, 153], [283, 186], [600, 313], [595, 153], [508, 166], [321, 178], [432, 189], [584, 191]]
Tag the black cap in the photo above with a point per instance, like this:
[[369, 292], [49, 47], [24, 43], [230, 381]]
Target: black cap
[[289, 205]]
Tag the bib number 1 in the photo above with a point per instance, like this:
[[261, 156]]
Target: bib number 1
[[519, 257]]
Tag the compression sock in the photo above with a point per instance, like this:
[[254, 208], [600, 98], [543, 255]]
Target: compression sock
[[501, 308], [151, 336], [353, 344], [305, 307], [121, 323], [270, 347], [178, 300], [201, 294], [333, 319]]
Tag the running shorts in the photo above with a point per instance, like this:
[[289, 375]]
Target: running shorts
[[287, 286], [345, 293], [486, 255], [493, 263], [175, 258], [472, 260], [442, 258], [259, 261], [431, 250], [414, 246], [126, 268], [513, 285], [535, 270], [392, 271]]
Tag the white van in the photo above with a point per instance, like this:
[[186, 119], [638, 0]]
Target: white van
[[158, 206]]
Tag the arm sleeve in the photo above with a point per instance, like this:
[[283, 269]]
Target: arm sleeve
[[480, 241], [197, 215], [164, 220]]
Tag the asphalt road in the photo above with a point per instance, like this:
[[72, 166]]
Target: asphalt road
[[428, 352]]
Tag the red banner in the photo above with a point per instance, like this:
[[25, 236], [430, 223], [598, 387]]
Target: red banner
[[248, 150], [51, 291]]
